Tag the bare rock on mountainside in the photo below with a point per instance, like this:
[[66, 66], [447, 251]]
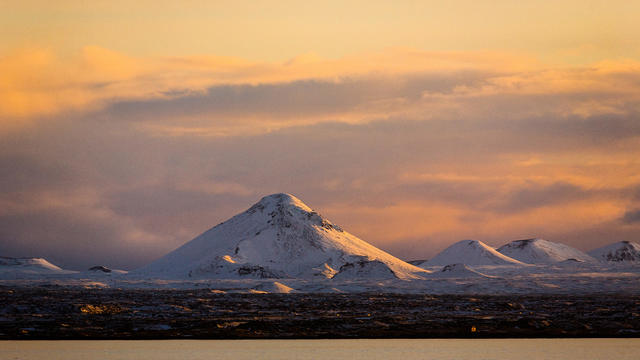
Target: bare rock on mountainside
[[278, 237], [100, 268]]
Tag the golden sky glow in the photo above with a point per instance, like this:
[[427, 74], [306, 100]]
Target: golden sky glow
[[137, 125], [575, 30]]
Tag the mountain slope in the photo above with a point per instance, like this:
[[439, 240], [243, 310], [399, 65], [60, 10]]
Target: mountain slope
[[471, 252], [278, 237], [540, 251], [623, 251]]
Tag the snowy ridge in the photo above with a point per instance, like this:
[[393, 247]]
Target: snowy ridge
[[278, 237], [540, 251], [280, 245], [359, 274], [622, 252], [471, 252]]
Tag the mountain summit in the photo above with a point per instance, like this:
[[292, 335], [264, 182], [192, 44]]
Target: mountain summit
[[279, 237]]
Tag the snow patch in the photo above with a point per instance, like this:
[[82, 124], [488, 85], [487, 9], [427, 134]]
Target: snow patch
[[275, 288]]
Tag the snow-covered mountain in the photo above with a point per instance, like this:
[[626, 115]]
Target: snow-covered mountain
[[471, 252], [540, 251], [36, 264], [278, 237], [11, 267], [623, 251]]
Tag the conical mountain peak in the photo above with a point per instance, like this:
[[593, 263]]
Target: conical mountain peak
[[283, 210], [282, 199], [278, 237]]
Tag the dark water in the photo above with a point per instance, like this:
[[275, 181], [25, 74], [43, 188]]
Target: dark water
[[618, 349]]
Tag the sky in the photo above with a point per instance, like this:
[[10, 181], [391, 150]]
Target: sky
[[128, 128]]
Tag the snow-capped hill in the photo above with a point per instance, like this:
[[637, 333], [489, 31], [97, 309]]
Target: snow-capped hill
[[27, 263], [623, 251], [28, 267], [471, 252], [540, 251], [459, 271], [278, 237]]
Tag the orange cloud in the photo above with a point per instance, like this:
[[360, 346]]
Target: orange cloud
[[35, 82], [396, 83]]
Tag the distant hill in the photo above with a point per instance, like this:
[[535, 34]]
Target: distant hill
[[540, 251], [471, 252], [620, 252]]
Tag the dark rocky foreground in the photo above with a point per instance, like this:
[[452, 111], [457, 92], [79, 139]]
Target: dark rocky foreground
[[72, 313]]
